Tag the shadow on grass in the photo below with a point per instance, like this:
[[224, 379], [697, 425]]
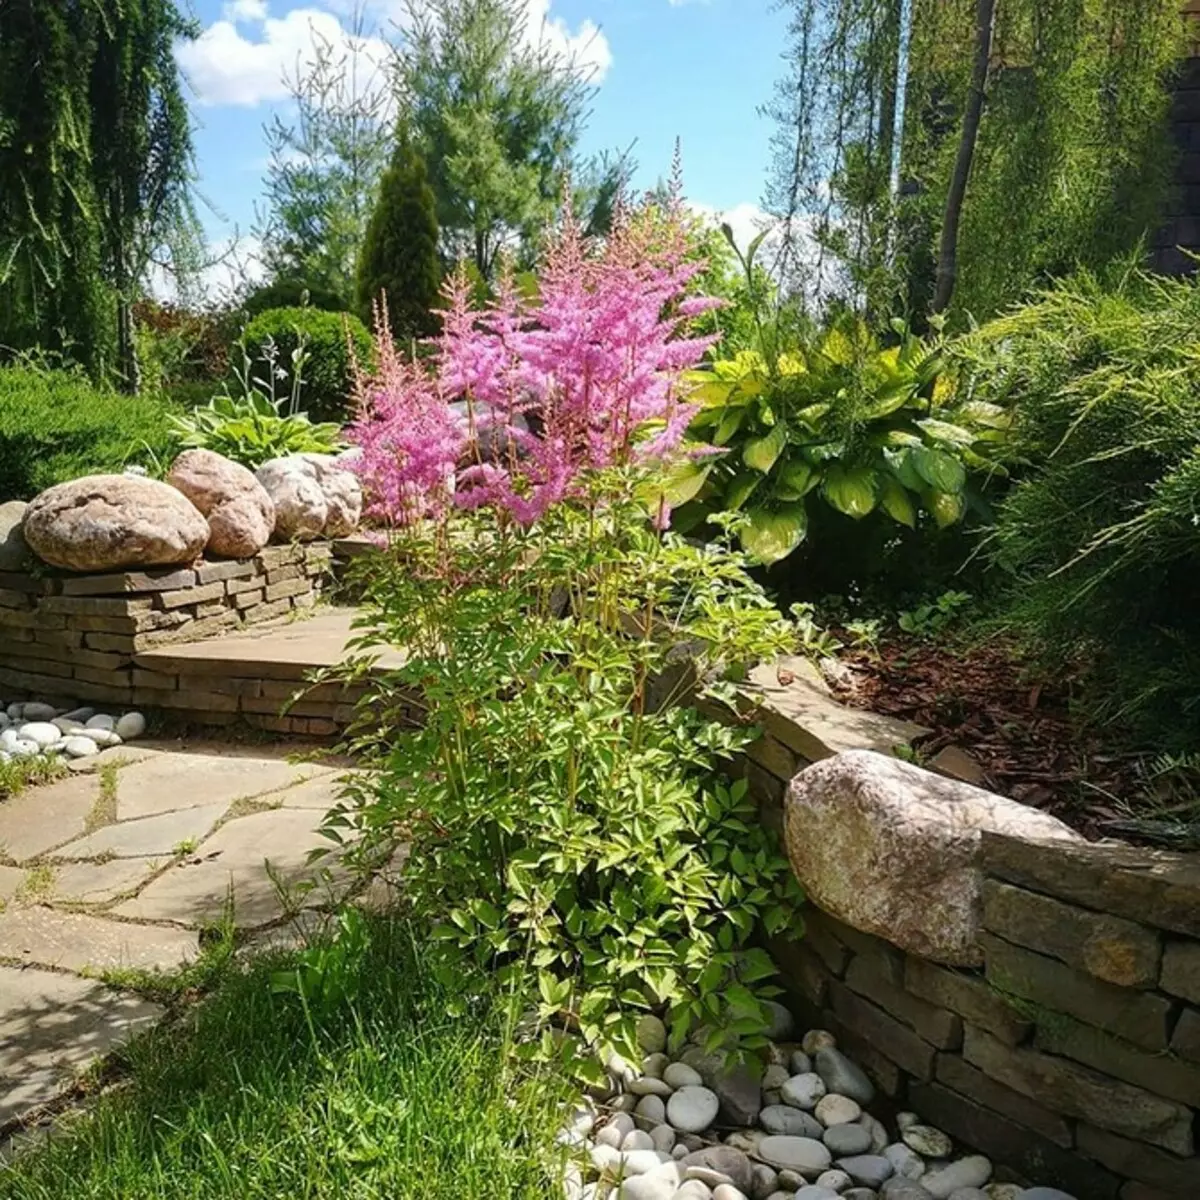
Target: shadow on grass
[[385, 1096]]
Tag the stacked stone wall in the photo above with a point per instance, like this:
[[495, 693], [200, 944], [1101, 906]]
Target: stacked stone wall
[[82, 637], [1072, 1057]]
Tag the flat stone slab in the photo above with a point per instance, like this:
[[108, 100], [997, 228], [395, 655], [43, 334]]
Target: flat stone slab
[[11, 879], [143, 836], [799, 710], [120, 756], [321, 793], [41, 818], [52, 1026], [280, 652], [101, 883], [80, 942], [168, 782], [232, 863]]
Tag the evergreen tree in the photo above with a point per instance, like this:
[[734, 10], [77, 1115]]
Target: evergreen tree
[[95, 161], [399, 255], [141, 155], [496, 113], [52, 294]]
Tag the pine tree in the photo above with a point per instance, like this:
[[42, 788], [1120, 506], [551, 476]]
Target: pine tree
[[399, 255]]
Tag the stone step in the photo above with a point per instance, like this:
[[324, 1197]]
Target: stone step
[[254, 673]]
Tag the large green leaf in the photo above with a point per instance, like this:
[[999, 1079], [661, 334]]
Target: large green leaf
[[772, 534], [682, 482], [902, 467], [888, 401], [944, 431], [729, 425], [852, 490], [739, 490], [795, 479], [712, 393], [896, 502], [940, 470], [947, 507], [761, 453]]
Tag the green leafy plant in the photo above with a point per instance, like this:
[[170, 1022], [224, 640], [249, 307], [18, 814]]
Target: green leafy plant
[[934, 617], [332, 343], [323, 975], [866, 427], [562, 806], [863, 427], [260, 424]]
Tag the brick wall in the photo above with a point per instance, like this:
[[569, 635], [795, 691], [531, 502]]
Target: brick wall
[[1072, 1058]]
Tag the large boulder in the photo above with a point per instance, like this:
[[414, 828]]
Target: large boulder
[[14, 550], [107, 522], [241, 516], [313, 495], [891, 849]]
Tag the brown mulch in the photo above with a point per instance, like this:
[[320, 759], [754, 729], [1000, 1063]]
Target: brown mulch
[[1011, 719]]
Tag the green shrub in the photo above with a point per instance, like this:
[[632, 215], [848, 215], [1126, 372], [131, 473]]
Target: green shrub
[[1099, 541], [326, 338], [291, 293], [55, 426], [561, 811]]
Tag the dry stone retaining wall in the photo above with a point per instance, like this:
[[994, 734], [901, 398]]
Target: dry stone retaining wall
[[1072, 1057], [81, 637]]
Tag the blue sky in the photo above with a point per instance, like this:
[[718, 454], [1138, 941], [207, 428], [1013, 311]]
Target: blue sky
[[697, 70]]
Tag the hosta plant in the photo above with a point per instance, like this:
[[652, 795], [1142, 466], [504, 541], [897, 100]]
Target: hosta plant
[[842, 421], [260, 424]]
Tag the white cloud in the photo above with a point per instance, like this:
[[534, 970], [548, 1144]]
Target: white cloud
[[746, 220], [231, 265], [245, 10], [226, 67], [241, 59], [587, 47]]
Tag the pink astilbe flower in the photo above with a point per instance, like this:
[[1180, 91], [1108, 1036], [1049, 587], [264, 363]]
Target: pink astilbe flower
[[408, 438], [584, 376]]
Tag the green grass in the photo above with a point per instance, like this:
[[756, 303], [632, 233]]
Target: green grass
[[383, 1097], [19, 773]]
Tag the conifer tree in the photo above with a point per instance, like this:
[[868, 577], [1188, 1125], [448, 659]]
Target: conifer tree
[[399, 255]]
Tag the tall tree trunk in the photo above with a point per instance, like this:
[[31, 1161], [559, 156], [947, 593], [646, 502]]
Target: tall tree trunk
[[947, 267], [128, 367]]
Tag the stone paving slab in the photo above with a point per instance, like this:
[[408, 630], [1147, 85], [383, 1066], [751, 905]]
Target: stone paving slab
[[41, 818], [120, 756], [51, 1026], [82, 942], [233, 863], [321, 793], [102, 882], [11, 879], [167, 782], [147, 835]]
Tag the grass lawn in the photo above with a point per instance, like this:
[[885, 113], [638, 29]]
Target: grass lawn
[[247, 1095]]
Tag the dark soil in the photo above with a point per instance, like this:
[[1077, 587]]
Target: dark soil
[[1012, 719]]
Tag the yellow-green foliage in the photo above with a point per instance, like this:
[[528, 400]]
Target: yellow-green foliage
[[55, 426]]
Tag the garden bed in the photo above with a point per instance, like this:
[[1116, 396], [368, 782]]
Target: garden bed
[[998, 721]]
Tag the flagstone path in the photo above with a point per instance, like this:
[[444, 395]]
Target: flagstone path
[[121, 867]]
